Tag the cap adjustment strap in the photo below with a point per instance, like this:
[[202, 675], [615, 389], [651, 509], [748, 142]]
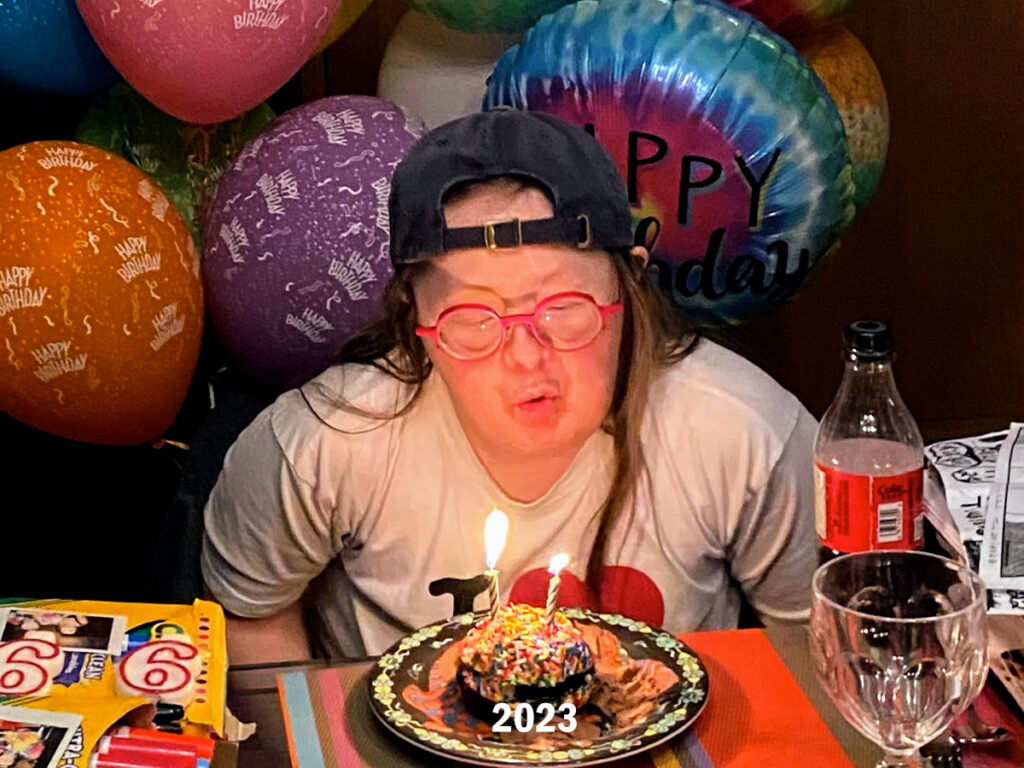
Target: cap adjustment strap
[[515, 233], [491, 239]]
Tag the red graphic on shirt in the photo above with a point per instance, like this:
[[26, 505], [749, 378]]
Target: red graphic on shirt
[[623, 590]]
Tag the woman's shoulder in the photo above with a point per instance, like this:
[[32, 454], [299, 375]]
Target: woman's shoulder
[[355, 396], [715, 390], [344, 408]]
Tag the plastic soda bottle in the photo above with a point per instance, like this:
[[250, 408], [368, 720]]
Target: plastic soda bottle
[[868, 454]]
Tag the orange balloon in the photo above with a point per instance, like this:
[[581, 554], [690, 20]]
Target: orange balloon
[[855, 85], [101, 304]]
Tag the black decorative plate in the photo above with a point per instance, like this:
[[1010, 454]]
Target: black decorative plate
[[651, 686]]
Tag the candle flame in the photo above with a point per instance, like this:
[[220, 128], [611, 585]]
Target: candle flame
[[495, 531], [558, 562]]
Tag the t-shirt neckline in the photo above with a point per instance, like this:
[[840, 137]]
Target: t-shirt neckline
[[572, 481]]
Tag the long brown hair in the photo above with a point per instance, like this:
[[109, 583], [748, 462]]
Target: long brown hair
[[655, 334]]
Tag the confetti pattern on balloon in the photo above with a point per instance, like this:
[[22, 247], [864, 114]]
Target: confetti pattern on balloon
[[101, 305], [45, 47], [853, 80], [296, 250], [487, 15], [207, 62], [792, 16], [732, 150], [187, 160]]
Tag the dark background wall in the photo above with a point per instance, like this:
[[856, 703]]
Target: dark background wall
[[937, 254]]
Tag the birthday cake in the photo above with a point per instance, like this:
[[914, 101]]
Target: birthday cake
[[519, 656]]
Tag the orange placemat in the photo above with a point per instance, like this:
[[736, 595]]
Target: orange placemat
[[757, 716]]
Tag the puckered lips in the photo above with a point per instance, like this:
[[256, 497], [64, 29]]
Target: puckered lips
[[537, 401]]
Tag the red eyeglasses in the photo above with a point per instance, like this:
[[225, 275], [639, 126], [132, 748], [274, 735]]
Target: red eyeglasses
[[565, 322]]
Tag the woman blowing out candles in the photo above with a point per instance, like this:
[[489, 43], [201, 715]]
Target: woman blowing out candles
[[527, 363]]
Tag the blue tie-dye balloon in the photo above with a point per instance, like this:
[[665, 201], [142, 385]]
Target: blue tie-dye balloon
[[45, 47], [733, 152]]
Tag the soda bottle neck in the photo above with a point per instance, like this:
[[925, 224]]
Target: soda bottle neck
[[868, 405], [877, 368]]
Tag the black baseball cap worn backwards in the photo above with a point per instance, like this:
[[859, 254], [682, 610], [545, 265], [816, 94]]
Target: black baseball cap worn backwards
[[591, 208]]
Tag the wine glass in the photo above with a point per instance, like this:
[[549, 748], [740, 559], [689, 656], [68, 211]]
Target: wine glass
[[899, 643]]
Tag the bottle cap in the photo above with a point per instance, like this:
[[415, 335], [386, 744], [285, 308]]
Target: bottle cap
[[868, 339]]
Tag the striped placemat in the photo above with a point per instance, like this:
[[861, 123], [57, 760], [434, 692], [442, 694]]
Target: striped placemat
[[757, 715]]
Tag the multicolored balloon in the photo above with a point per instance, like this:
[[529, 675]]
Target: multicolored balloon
[[852, 79], [296, 249], [438, 73], [733, 152], [101, 305], [207, 62], [346, 16], [187, 160], [487, 15], [789, 16], [46, 48]]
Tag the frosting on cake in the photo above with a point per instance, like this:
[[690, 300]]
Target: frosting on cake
[[518, 656]]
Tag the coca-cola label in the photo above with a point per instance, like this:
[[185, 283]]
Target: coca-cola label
[[854, 513]]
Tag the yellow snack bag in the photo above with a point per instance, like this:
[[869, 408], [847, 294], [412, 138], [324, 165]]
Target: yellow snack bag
[[114, 658]]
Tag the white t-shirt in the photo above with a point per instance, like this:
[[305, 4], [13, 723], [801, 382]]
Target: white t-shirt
[[368, 514]]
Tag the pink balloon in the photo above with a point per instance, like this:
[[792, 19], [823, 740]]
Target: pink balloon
[[207, 61]]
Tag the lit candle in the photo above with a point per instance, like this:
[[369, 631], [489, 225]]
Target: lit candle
[[495, 531], [558, 562]]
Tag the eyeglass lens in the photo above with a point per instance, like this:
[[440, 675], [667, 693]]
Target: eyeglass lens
[[565, 324]]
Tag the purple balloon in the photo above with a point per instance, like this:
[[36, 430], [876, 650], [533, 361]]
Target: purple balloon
[[296, 250]]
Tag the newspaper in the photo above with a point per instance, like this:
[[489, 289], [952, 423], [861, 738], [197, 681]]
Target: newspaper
[[968, 469], [976, 473], [1002, 551]]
